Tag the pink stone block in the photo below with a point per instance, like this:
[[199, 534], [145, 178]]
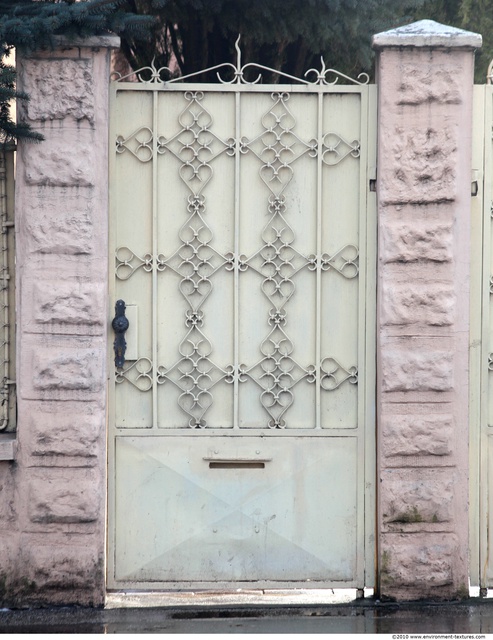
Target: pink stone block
[[415, 370], [66, 370], [419, 566], [431, 83], [409, 239], [60, 89], [422, 165], [65, 434], [418, 303], [417, 495], [64, 496], [54, 163], [417, 435], [65, 307], [48, 228], [60, 370], [58, 566]]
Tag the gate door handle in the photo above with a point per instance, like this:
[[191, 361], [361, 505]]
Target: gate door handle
[[120, 325]]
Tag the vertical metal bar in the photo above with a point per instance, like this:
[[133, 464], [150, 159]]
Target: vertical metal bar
[[155, 96], [318, 338], [367, 334], [236, 311], [4, 283], [364, 196], [478, 297], [486, 322], [111, 495], [363, 306]]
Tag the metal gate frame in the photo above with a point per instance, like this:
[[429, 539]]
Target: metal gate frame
[[367, 301], [481, 340]]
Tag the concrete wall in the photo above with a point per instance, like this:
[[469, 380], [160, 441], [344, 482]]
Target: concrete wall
[[52, 496]]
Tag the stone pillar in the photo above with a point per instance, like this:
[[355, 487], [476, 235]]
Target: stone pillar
[[425, 77], [56, 554]]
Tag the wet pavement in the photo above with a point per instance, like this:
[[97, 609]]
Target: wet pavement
[[473, 616]]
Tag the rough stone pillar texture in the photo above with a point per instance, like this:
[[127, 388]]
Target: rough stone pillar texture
[[425, 76], [52, 521]]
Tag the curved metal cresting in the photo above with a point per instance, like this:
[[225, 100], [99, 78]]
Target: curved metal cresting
[[323, 76]]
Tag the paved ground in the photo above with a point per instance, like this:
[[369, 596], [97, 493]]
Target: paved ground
[[364, 616]]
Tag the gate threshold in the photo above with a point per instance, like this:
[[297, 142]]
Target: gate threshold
[[142, 599]]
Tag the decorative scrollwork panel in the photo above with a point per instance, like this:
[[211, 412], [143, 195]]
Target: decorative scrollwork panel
[[240, 282]]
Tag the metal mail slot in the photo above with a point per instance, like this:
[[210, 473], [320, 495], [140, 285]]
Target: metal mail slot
[[237, 464]]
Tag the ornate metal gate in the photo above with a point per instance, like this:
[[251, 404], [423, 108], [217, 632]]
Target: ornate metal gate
[[241, 446]]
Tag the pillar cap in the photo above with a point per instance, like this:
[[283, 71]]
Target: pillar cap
[[92, 42], [427, 33]]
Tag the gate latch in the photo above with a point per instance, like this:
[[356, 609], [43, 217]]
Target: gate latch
[[475, 182], [120, 325]]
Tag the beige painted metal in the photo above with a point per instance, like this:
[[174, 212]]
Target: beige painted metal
[[241, 440], [481, 360], [476, 356]]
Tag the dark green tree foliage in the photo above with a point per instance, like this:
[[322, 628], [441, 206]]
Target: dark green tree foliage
[[477, 15], [289, 35], [31, 24], [444, 11], [9, 130], [472, 15], [192, 35]]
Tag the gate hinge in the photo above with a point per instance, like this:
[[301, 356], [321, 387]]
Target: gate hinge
[[475, 182], [372, 176]]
